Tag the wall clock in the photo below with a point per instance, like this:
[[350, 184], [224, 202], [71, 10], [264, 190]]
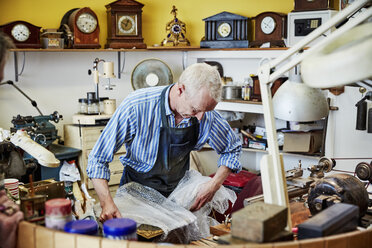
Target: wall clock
[[84, 26], [225, 30], [124, 24], [23, 34], [270, 27], [176, 32]]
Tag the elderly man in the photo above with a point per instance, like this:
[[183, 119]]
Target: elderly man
[[10, 215], [159, 127]]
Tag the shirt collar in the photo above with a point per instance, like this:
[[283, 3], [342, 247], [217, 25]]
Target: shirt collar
[[168, 111]]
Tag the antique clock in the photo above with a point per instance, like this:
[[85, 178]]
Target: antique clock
[[176, 32], [225, 30], [124, 20], [83, 24], [23, 34], [270, 27]]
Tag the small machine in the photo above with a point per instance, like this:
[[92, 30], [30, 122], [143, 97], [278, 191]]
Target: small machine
[[93, 113]]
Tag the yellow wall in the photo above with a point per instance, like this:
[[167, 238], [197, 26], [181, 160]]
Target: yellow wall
[[156, 13]]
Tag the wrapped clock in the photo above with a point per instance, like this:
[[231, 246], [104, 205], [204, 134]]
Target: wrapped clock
[[225, 30], [270, 27], [23, 34], [124, 24]]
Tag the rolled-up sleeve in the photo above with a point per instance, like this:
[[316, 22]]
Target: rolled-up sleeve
[[119, 130], [226, 143]]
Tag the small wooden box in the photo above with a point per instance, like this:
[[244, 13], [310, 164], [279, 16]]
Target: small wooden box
[[259, 222], [305, 5], [256, 91]]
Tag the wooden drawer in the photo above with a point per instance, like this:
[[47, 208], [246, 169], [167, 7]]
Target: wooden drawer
[[90, 136]]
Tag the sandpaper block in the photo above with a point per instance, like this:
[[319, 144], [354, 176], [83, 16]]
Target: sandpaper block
[[259, 222], [338, 218]]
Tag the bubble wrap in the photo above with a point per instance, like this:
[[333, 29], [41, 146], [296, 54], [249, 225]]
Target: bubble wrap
[[147, 206]]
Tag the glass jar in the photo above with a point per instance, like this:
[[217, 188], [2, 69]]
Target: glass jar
[[83, 106], [120, 229], [87, 227], [93, 107]]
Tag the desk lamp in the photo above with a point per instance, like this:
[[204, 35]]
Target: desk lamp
[[348, 46], [108, 72]]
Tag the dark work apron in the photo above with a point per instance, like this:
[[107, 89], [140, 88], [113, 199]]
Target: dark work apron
[[172, 162]]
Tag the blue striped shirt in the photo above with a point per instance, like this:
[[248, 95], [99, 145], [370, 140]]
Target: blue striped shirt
[[136, 124]]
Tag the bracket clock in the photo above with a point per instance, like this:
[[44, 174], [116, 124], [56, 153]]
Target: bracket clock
[[124, 24], [84, 25], [225, 30], [23, 34], [270, 27]]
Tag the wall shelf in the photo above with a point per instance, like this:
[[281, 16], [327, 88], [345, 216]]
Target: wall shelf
[[160, 48], [240, 106]]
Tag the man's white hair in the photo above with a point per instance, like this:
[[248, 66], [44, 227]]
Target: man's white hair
[[201, 75]]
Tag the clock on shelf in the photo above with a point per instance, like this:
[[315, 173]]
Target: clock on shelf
[[124, 24], [176, 30], [83, 25], [23, 34], [270, 27], [225, 30]]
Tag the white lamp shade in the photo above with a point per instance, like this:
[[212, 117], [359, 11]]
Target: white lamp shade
[[295, 101]]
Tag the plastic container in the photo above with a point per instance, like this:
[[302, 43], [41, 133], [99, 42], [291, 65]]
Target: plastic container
[[120, 229], [83, 106], [93, 107], [101, 106], [87, 227], [109, 106], [57, 213]]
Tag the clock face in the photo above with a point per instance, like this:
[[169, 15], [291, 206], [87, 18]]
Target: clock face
[[268, 25], [127, 25], [176, 29], [224, 29], [20, 32], [86, 23]]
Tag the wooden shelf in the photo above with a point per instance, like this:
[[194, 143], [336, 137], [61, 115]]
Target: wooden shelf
[[301, 155], [150, 48], [240, 106]]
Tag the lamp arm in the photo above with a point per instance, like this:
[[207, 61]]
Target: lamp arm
[[315, 34]]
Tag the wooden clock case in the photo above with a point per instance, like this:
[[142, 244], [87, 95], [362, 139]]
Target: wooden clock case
[[32, 42], [276, 37], [120, 8], [83, 40]]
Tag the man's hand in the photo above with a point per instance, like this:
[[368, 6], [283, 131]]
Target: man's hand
[[109, 209], [208, 189], [205, 194]]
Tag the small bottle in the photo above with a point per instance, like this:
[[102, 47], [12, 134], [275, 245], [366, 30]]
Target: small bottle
[[247, 90], [87, 227], [93, 107], [120, 229], [83, 107]]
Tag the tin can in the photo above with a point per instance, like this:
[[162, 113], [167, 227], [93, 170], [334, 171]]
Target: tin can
[[57, 213], [120, 229]]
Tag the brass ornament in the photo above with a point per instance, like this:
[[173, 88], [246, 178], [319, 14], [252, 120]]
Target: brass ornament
[[176, 32]]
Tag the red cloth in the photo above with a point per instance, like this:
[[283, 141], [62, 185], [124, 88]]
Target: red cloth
[[238, 179]]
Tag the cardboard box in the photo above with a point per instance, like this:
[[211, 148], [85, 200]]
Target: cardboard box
[[309, 142]]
